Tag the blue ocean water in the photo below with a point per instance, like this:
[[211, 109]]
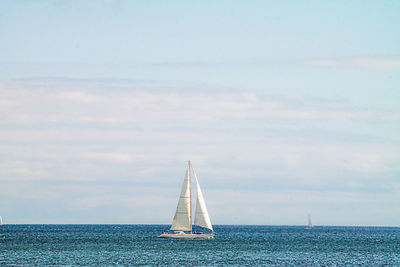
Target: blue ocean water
[[233, 245]]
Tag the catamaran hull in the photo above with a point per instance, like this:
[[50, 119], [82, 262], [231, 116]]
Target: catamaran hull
[[187, 236]]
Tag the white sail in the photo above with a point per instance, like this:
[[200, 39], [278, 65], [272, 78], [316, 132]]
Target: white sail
[[309, 221], [1, 220], [183, 216], [201, 217]]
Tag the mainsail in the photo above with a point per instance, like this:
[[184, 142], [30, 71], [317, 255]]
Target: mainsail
[[183, 216], [309, 221], [201, 216]]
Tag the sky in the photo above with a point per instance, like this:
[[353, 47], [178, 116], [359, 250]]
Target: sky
[[284, 108]]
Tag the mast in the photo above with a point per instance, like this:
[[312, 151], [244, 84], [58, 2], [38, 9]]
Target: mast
[[190, 199]]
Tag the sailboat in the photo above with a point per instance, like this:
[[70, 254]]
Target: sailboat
[[1, 220], [182, 222], [309, 226]]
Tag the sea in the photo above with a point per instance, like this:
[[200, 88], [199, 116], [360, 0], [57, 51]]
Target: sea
[[236, 245]]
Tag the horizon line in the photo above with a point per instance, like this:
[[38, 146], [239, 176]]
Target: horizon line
[[274, 225]]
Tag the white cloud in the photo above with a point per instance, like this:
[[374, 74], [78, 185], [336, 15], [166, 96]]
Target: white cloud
[[113, 2], [80, 97], [84, 134], [113, 156], [368, 62], [58, 103]]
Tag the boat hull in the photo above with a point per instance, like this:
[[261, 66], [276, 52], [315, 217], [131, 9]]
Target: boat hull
[[187, 236]]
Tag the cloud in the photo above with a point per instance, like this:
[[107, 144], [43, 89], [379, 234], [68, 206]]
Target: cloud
[[88, 122], [89, 102], [112, 2], [80, 97], [113, 157], [368, 62], [126, 139]]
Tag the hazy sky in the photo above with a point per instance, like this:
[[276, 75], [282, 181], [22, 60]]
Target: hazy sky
[[284, 107]]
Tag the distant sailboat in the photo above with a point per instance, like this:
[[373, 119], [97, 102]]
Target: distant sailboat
[[182, 221], [310, 225], [1, 220]]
